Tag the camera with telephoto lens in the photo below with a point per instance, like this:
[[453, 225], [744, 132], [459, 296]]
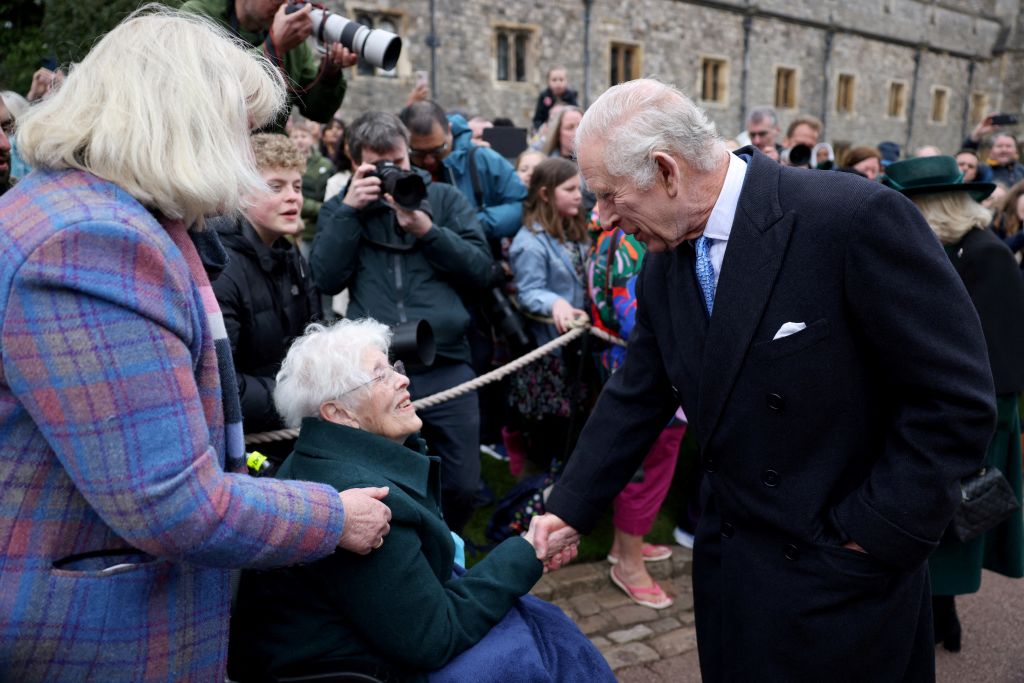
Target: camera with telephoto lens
[[405, 187], [374, 46]]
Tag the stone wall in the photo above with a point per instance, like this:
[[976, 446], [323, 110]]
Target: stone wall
[[877, 41]]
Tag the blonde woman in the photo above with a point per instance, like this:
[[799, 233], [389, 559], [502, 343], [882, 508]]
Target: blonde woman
[[994, 284], [125, 500]]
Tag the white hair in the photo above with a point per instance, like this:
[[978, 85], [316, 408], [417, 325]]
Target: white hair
[[951, 215], [161, 106], [324, 364], [637, 118]]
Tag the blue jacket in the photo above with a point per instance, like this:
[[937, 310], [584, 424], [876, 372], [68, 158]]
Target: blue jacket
[[544, 273], [502, 191]]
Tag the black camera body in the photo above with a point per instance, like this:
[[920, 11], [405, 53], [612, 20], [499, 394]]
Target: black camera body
[[405, 187]]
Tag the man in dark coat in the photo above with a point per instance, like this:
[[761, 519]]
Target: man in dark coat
[[402, 265], [835, 376]]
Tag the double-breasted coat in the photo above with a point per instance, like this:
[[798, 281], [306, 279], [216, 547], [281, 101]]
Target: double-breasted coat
[[858, 427]]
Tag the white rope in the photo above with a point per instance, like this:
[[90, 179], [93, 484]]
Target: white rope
[[499, 373], [472, 385]]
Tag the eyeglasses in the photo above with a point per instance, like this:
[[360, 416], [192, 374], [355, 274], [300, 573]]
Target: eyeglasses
[[386, 374], [423, 153]]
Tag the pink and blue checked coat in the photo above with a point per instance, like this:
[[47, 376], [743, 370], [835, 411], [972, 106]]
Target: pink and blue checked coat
[[112, 436]]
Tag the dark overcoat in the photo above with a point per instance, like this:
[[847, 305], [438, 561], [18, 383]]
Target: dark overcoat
[[993, 281], [857, 427]]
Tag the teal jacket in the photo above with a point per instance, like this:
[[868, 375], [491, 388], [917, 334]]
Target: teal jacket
[[501, 191], [399, 605], [322, 100]]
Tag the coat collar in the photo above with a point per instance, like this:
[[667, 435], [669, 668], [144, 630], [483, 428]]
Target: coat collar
[[354, 447], [757, 244]]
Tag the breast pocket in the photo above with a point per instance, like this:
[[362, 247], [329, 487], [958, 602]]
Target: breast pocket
[[815, 333]]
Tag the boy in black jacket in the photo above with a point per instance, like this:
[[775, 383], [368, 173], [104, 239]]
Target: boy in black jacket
[[266, 292]]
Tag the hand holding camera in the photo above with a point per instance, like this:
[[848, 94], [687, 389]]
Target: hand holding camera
[[413, 221], [364, 187], [290, 29], [988, 125]]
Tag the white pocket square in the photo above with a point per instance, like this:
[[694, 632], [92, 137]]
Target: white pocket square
[[788, 329]]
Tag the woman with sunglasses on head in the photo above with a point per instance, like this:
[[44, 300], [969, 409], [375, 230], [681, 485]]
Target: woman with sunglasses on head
[[403, 612]]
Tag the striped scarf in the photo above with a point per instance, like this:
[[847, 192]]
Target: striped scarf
[[204, 254]]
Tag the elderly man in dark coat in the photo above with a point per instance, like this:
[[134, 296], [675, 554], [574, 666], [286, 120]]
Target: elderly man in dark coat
[[835, 375]]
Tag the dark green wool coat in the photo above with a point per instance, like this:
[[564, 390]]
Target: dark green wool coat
[[399, 605]]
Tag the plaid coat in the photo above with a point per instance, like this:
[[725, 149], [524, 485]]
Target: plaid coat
[[118, 521]]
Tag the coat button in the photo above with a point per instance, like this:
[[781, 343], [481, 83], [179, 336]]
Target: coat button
[[791, 552], [710, 464], [770, 478], [727, 530], [675, 392], [776, 402]]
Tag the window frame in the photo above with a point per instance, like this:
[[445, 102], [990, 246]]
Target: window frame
[[901, 115], [519, 46], [635, 49], [846, 105], [723, 79], [945, 93], [792, 74]]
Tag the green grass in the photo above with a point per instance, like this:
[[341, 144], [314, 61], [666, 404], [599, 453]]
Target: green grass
[[596, 545]]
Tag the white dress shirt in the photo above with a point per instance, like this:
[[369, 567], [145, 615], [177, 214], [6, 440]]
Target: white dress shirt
[[719, 225]]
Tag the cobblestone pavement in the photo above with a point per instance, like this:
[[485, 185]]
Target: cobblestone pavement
[[627, 634], [643, 645]]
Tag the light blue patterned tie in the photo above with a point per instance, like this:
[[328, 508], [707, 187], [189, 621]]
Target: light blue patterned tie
[[706, 271]]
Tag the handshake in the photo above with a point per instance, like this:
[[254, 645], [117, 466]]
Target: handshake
[[555, 542]]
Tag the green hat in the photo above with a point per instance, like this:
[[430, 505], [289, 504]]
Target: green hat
[[928, 175]]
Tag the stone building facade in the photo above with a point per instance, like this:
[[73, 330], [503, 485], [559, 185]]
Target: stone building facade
[[913, 71]]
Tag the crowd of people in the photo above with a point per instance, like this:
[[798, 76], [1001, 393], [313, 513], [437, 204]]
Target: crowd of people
[[153, 315]]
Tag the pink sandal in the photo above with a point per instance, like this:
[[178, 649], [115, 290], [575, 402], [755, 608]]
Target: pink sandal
[[651, 553], [653, 597]]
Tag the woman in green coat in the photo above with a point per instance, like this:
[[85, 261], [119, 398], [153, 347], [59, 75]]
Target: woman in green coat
[[403, 611], [994, 283]]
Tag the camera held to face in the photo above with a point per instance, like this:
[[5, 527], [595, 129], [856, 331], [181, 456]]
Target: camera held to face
[[405, 187]]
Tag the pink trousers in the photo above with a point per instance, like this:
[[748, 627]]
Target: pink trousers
[[638, 504]]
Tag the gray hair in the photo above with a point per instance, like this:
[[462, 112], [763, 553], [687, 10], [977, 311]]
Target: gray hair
[[951, 215], [324, 364], [162, 107], [638, 118], [377, 131], [421, 116], [761, 113]]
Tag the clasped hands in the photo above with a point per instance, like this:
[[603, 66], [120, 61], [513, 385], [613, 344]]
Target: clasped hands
[[555, 542]]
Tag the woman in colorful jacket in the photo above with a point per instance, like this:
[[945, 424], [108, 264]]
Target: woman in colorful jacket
[[125, 501]]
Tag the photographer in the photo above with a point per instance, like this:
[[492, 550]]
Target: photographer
[[403, 264], [316, 90]]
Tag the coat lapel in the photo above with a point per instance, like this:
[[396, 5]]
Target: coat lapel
[[757, 244]]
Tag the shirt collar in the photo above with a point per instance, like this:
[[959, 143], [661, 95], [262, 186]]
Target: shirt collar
[[719, 225]]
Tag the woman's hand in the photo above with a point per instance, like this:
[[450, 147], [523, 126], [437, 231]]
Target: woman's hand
[[565, 315], [366, 519]]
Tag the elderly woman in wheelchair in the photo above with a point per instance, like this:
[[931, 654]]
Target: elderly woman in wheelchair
[[404, 611]]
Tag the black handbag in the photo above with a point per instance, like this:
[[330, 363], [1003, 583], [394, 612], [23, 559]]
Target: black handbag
[[986, 500]]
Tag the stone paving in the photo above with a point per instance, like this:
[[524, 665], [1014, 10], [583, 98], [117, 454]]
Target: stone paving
[[627, 634]]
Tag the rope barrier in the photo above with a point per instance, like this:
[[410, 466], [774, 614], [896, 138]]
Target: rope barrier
[[472, 385]]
